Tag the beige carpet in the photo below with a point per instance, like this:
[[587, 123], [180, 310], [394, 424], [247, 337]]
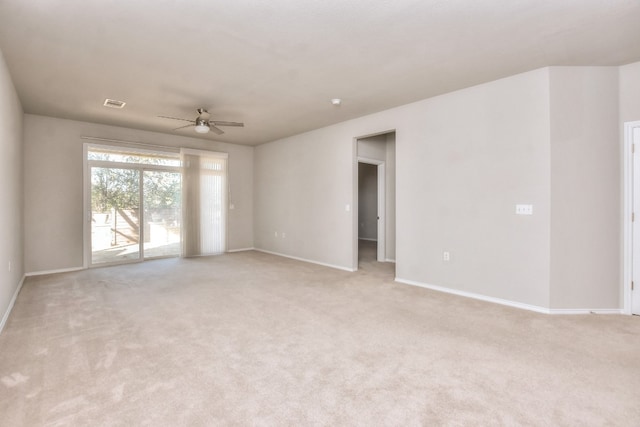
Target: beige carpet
[[255, 339]]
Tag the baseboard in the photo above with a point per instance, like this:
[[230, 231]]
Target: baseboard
[[5, 318], [514, 304], [480, 297], [61, 270], [240, 250], [390, 260], [367, 239], [306, 260], [586, 311]]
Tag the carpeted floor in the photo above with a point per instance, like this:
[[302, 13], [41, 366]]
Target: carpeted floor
[[254, 339]]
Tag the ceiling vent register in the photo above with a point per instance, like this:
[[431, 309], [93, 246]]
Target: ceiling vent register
[[112, 103]]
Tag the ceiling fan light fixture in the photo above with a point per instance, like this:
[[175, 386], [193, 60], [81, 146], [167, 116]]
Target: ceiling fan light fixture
[[201, 125]]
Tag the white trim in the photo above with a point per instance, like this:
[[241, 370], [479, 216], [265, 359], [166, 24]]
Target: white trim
[[143, 144], [230, 251], [367, 239], [214, 154], [627, 210], [355, 227], [60, 270], [389, 260], [306, 260], [480, 297], [148, 149], [138, 166], [586, 311], [141, 215], [369, 160], [515, 304], [7, 313], [383, 132], [86, 207]]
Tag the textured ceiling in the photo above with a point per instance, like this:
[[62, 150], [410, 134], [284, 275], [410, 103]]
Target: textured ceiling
[[276, 64]]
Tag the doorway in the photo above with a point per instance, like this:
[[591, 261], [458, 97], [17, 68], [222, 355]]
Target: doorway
[[631, 221], [371, 215], [374, 191]]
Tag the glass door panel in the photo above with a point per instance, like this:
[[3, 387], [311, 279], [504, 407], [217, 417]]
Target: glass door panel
[[115, 215], [162, 213]]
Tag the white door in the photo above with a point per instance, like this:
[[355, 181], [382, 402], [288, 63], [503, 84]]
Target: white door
[[635, 293]]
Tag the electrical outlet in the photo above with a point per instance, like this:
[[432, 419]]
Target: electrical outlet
[[446, 256], [524, 209], [284, 234], [275, 233]]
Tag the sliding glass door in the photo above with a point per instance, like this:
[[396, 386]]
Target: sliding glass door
[[115, 215], [136, 200], [135, 205]]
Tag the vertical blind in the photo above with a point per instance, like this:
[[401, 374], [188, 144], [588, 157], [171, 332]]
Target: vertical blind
[[204, 201]]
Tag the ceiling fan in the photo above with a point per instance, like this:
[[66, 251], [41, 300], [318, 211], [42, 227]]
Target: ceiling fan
[[203, 122]]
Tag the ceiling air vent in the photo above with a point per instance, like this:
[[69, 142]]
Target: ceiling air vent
[[112, 103]]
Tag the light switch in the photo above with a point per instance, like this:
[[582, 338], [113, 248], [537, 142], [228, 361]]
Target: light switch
[[524, 209], [347, 208]]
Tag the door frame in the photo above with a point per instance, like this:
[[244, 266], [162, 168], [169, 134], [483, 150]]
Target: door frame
[[353, 207], [627, 223], [382, 206]]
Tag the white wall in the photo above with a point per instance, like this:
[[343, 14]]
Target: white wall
[[548, 138], [463, 164], [585, 180], [373, 147], [302, 186], [54, 187], [463, 160], [390, 200], [11, 191], [629, 92], [629, 111]]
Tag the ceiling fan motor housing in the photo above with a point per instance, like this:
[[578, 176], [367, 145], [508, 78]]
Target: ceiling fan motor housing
[[202, 125]]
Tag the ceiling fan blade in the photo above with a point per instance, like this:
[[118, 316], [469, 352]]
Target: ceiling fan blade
[[215, 129], [175, 118], [182, 127], [219, 123]]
